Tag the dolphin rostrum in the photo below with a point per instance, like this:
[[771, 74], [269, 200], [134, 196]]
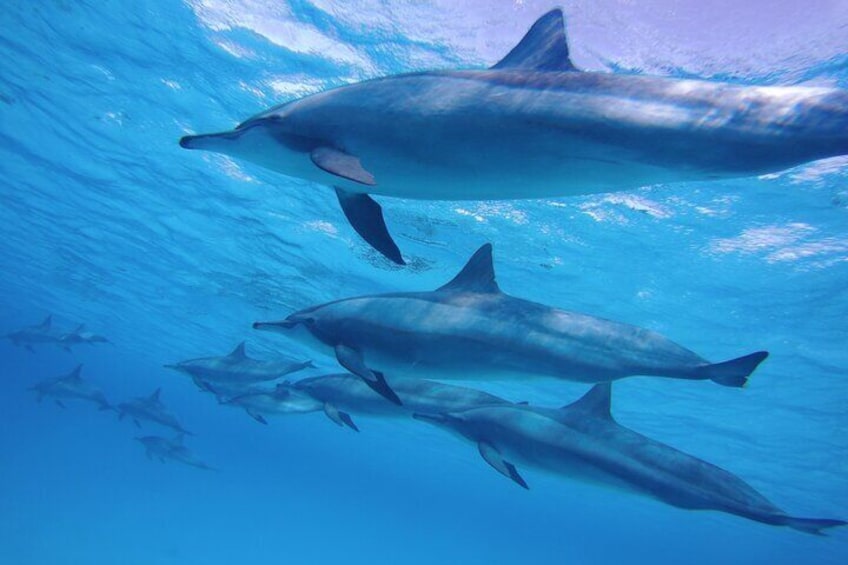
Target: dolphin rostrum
[[582, 441], [237, 370], [468, 328], [531, 126], [152, 409], [171, 449], [71, 386], [342, 394]]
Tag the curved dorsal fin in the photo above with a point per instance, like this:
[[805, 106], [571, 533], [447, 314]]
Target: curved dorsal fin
[[75, 374], [238, 352], [478, 275], [596, 402], [79, 329], [155, 396], [543, 48], [48, 321]]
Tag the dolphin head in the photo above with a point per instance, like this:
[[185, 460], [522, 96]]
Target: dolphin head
[[453, 423], [309, 326], [268, 139]]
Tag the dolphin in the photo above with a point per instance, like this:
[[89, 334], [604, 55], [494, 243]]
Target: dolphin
[[237, 369], [338, 395], [152, 409], [71, 386], [170, 449], [531, 126], [40, 334], [468, 328], [582, 441], [80, 336]]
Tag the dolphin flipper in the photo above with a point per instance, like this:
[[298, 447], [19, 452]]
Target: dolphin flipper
[[342, 165], [338, 417], [59, 404], [352, 360], [505, 468], [366, 217], [256, 416]]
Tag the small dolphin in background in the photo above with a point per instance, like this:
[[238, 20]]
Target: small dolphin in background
[[171, 449], [531, 126], [237, 369], [80, 336], [338, 395], [468, 328], [582, 441], [152, 409], [71, 386], [40, 334]]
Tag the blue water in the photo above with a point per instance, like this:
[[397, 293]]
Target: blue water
[[173, 254]]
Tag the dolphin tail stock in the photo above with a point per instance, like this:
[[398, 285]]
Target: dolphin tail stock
[[733, 373], [811, 525]]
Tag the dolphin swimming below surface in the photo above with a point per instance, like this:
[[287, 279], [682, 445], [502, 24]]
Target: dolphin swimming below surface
[[340, 395], [237, 369], [152, 409], [469, 328], [582, 441], [171, 449], [531, 126], [40, 334], [71, 386], [79, 335]]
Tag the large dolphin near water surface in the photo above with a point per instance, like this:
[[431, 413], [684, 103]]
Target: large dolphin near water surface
[[582, 441], [342, 394], [532, 126], [469, 329], [236, 370]]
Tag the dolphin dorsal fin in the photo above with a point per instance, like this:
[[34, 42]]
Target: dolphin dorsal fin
[[75, 374], [595, 402], [238, 352], [543, 48], [478, 275], [79, 329], [155, 396], [48, 321]]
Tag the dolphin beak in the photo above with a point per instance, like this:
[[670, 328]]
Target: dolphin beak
[[211, 141], [436, 419], [280, 326]]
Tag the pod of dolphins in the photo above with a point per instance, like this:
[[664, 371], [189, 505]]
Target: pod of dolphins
[[531, 126]]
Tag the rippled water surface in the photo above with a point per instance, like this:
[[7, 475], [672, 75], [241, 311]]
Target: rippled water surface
[[173, 254]]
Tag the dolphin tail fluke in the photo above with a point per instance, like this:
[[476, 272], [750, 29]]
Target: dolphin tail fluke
[[812, 525], [733, 373]]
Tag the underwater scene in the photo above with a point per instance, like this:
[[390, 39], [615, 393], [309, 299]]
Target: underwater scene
[[382, 281]]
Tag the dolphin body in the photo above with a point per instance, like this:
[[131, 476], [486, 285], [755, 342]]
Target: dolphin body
[[80, 336], [468, 328], [339, 395], [582, 441], [152, 409], [531, 126], [41, 334], [236, 370], [71, 386], [171, 449]]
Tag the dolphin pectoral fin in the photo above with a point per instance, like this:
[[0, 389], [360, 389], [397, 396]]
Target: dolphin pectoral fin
[[338, 417], [137, 423], [59, 404], [733, 373], [256, 416], [352, 360], [366, 217], [30, 349], [341, 164], [505, 468]]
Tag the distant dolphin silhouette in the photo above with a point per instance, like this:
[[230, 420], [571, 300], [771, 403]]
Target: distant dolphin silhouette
[[152, 409], [582, 441], [532, 126], [71, 386], [40, 334], [165, 449], [469, 329]]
